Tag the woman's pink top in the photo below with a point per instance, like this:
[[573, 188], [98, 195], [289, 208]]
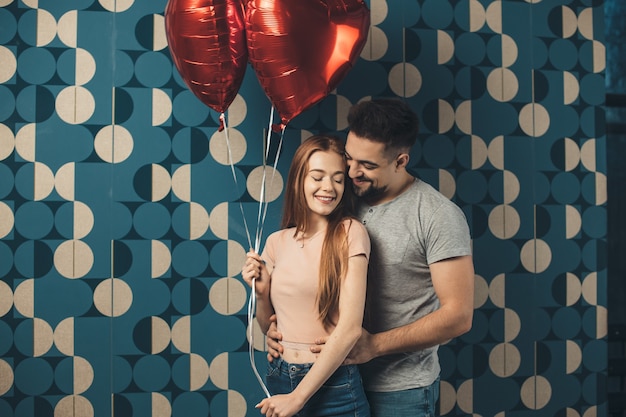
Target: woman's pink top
[[295, 276]]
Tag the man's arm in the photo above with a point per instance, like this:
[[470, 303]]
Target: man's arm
[[453, 281], [274, 348]]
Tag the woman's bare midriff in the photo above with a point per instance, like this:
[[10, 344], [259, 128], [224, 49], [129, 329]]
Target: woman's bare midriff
[[298, 353]]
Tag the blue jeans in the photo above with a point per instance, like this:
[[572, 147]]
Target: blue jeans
[[417, 402], [341, 395]]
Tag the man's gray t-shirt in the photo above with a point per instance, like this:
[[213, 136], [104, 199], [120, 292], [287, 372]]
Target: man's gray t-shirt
[[417, 228]]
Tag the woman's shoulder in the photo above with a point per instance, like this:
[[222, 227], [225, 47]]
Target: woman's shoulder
[[353, 226]]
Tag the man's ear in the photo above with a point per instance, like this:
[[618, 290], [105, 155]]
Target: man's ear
[[402, 161]]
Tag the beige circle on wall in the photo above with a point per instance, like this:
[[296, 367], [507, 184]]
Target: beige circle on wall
[[493, 16], [405, 80], [24, 298], [534, 119], [6, 294], [512, 325], [462, 117], [509, 51], [113, 144], [496, 152], [573, 222], [44, 181], [447, 116], [504, 360], [601, 190], [237, 112], [43, 337], [64, 336], [590, 288], [7, 140], [481, 291], [536, 255], [219, 371], [25, 142], [181, 334], [198, 372], [588, 154], [161, 182], [113, 297], [227, 296], [83, 375], [46, 27], [480, 151], [6, 377], [74, 405], [161, 258], [181, 183], [504, 221], [570, 22], [502, 84], [198, 221], [116, 6], [477, 16], [83, 220], [465, 396], [226, 149], [574, 357], [272, 180], [445, 47], [8, 219], [64, 181], [497, 290], [9, 64], [536, 392], [75, 104], [159, 36], [511, 186], [161, 406], [585, 23], [378, 11], [572, 154], [237, 405], [447, 397], [258, 337], [219, 221], [161, 335], [85, 66], [161, 107], [67, 29], [571, 88], [376, 45], [599, 56], [447, 183], [73, 259], [573, 289]]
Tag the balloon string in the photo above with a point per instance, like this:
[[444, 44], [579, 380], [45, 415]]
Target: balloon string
[[268, 140], [275, 169], [260, 221], [251, 309], [232, 168]]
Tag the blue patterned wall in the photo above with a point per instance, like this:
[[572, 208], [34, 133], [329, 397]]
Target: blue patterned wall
[[121, 225]]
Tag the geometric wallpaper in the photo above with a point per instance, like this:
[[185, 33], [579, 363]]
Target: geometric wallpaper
[[122, 228]]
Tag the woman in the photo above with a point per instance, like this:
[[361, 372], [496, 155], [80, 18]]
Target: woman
[[316, 266]]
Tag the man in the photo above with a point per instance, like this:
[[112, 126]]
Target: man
[[421, 273]]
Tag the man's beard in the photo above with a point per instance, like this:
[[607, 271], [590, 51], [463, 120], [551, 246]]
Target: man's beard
[[369, 193]]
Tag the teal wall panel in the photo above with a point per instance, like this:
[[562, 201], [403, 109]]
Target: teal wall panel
[[122, 227]]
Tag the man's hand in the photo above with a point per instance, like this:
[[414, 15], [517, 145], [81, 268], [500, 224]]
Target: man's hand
[[363, 350], [274, 348]]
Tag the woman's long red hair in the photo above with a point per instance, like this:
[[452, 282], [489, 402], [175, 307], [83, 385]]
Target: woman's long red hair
[[334, 257]]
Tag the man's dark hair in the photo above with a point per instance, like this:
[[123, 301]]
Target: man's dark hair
[[386, 120]]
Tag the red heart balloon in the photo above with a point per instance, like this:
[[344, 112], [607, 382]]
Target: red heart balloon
[[207, 42], [301, 49]]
